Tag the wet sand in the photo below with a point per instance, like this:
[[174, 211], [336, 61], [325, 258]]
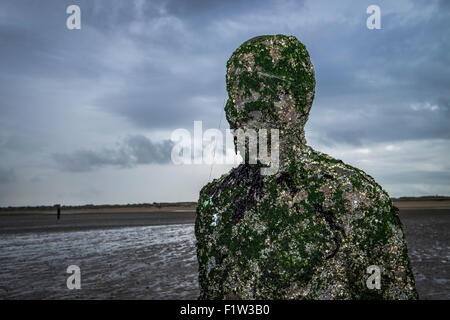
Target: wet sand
[[150, 254], [89, 220], [427, 233]]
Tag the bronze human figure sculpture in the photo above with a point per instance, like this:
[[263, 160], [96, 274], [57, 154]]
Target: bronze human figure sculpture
[[313, 229]]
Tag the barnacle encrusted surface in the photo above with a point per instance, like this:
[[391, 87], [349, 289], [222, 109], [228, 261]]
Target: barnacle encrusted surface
[[311, 230], [270, 82]]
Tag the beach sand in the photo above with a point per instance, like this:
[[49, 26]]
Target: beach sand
[[142, 253]]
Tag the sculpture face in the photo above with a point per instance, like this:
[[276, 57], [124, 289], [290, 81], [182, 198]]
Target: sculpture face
[[270, 83]]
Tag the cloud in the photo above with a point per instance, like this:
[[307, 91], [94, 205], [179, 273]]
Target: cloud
[[144, 151], [148, 60], [149, 67], [422, 169], [133, 151], [425, 106]]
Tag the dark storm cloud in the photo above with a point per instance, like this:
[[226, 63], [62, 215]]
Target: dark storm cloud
[[144, 151], [133, 151], [154, 66], [167, 54], [376, 76], [200, 11], [171, 66], [385, 75]]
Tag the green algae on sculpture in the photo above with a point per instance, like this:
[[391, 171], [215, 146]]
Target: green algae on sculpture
[[311, 230]]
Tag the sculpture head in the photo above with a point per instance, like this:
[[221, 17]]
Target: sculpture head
[[270, 83]]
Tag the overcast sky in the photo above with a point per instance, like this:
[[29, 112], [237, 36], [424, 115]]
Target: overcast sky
[[86, 115]]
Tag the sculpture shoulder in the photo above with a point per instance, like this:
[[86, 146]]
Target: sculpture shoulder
[[213, 188], [327, 172]]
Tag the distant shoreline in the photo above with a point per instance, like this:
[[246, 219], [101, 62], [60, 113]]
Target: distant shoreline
[[100, 219], [109, 207], [423, 198], [401, 202]]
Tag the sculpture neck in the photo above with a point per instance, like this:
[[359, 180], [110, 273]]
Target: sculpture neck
[[273, 146], [289, 144]]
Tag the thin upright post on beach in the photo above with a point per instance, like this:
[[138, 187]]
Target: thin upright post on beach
[[58, 211]]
